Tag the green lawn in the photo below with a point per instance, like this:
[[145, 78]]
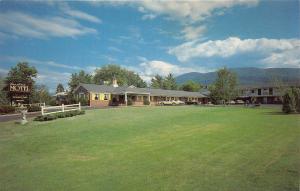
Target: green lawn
[[154, 148]]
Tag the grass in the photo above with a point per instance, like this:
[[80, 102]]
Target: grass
[[154, 148]]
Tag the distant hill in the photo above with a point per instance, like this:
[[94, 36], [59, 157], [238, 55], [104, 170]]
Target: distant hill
[[246, 76]]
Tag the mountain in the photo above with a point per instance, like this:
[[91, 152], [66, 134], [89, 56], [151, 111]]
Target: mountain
[[246, 76]]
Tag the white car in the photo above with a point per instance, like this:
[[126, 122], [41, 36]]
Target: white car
[[178, 102], [239, 102], [171, 102]]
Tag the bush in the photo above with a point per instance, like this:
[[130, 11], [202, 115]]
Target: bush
[[45, 117], [289, 102], [146, 102], [296, 92], [5, 109], [59, 115], [33, 108]]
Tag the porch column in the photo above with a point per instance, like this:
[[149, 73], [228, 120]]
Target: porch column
[[149, 99], [125, 98]]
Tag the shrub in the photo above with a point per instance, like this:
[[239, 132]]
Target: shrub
[[4, 109], [82, 112], [45, 117], [83, 101], [59, 115], [296, 92], [146, 102], [33, 108], [289, 102]]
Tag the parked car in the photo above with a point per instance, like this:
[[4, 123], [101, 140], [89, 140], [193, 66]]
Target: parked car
[[239, 102], [191, 103], [165, 103], [178, 102], [230, 102], [171, 102]]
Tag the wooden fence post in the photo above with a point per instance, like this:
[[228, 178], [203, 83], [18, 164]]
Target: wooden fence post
[[63, 107], [79, 105]]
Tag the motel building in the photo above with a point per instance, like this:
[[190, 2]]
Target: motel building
[[105, 95], [264, 94]]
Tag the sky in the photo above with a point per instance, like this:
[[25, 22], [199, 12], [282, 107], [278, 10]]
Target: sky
[[149, 37]]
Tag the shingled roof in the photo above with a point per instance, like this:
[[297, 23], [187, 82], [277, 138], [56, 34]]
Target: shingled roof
[[125, 89]]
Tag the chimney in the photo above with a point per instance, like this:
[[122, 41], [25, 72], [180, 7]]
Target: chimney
[[114, 82]]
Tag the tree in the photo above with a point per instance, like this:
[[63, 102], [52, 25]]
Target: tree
[[289, 102], [157, 81], [21, 73], [41, 94], [296, 92], [191, 86], [169, 82], [123, 76], [3, 96], [60, 88], [224, 88], [77, 78]]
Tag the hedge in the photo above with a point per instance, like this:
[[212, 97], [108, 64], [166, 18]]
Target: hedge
[[5, 109], [58, 115]]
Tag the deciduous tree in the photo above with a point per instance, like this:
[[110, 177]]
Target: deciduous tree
[[224, 88], [123, 76], [80, 77], [191, 86]]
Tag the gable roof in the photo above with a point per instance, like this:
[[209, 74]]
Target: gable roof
[[130, 89]]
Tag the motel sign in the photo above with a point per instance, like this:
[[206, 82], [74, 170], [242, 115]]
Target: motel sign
[[21, 88], [19, 93]]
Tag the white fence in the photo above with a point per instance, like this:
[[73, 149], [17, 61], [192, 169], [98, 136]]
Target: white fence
[[57, 109]]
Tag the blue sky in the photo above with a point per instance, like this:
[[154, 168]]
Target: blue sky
[[149, 37]]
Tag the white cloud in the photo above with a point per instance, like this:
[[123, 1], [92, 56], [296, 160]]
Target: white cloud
[[149, 69], [287, 58], [192, 33], [233, 45], [148, 17], [15, 59], [51, 79], [115, 49], [78, 14], [21, 24], [190, 11]]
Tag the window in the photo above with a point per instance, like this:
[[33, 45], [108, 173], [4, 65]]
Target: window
[[270, 91], [81, 95], [252, 91], [259, 91], [96, 97], [106, 96]]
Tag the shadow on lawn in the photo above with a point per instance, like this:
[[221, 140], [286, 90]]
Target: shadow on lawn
[[279, 113]]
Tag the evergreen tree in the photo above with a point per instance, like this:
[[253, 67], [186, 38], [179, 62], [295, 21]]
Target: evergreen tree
[[60, 88], [289, 102], [296, 92], [21, 73], [169, 82], [157, 81]]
